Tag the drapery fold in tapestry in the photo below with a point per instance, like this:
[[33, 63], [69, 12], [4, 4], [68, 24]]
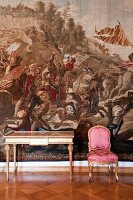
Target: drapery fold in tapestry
[[67, 65]]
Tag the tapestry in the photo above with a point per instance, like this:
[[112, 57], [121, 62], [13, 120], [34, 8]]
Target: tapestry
[[67, 65]]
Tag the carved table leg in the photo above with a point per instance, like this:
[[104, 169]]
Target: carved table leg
[[70, 148], [15, 169], [7, 149]]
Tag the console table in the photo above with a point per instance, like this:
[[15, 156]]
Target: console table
[[36, 138]]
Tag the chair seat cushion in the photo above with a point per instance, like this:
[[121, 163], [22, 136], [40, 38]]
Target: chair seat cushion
[[102, 156]]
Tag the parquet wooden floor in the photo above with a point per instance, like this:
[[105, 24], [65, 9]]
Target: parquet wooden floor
[[41, 186]]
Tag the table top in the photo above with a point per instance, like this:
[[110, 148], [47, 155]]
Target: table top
[[41, 134]]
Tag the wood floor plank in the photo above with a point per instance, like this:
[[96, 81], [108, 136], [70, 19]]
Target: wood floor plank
[[40, 186]]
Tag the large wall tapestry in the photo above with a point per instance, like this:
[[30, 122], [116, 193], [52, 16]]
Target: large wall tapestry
[[67, 65]]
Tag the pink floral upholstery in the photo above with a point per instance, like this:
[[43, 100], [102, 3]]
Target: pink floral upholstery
[[99, 145], [102, 156], [99, 149], [99, 137]]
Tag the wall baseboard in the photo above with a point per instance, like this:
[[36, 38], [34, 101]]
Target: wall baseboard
[[61, 167]]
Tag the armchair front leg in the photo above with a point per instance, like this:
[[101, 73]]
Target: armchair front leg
[[116, 171], [90, 170]]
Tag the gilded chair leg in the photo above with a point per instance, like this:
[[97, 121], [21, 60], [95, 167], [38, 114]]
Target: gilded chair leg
[[109, 169], [116, 171], [90, 171]]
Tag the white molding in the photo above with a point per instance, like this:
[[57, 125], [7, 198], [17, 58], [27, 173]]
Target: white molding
[[62, 166]]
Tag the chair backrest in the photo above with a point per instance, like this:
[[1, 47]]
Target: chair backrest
[[99, 138]]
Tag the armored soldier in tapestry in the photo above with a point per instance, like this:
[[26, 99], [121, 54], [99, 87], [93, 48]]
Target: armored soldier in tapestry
[[68, 65]]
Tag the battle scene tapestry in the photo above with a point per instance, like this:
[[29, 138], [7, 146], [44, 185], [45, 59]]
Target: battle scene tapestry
[[66, 65]]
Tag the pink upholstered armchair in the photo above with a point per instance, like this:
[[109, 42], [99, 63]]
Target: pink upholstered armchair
[[99, 149]]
